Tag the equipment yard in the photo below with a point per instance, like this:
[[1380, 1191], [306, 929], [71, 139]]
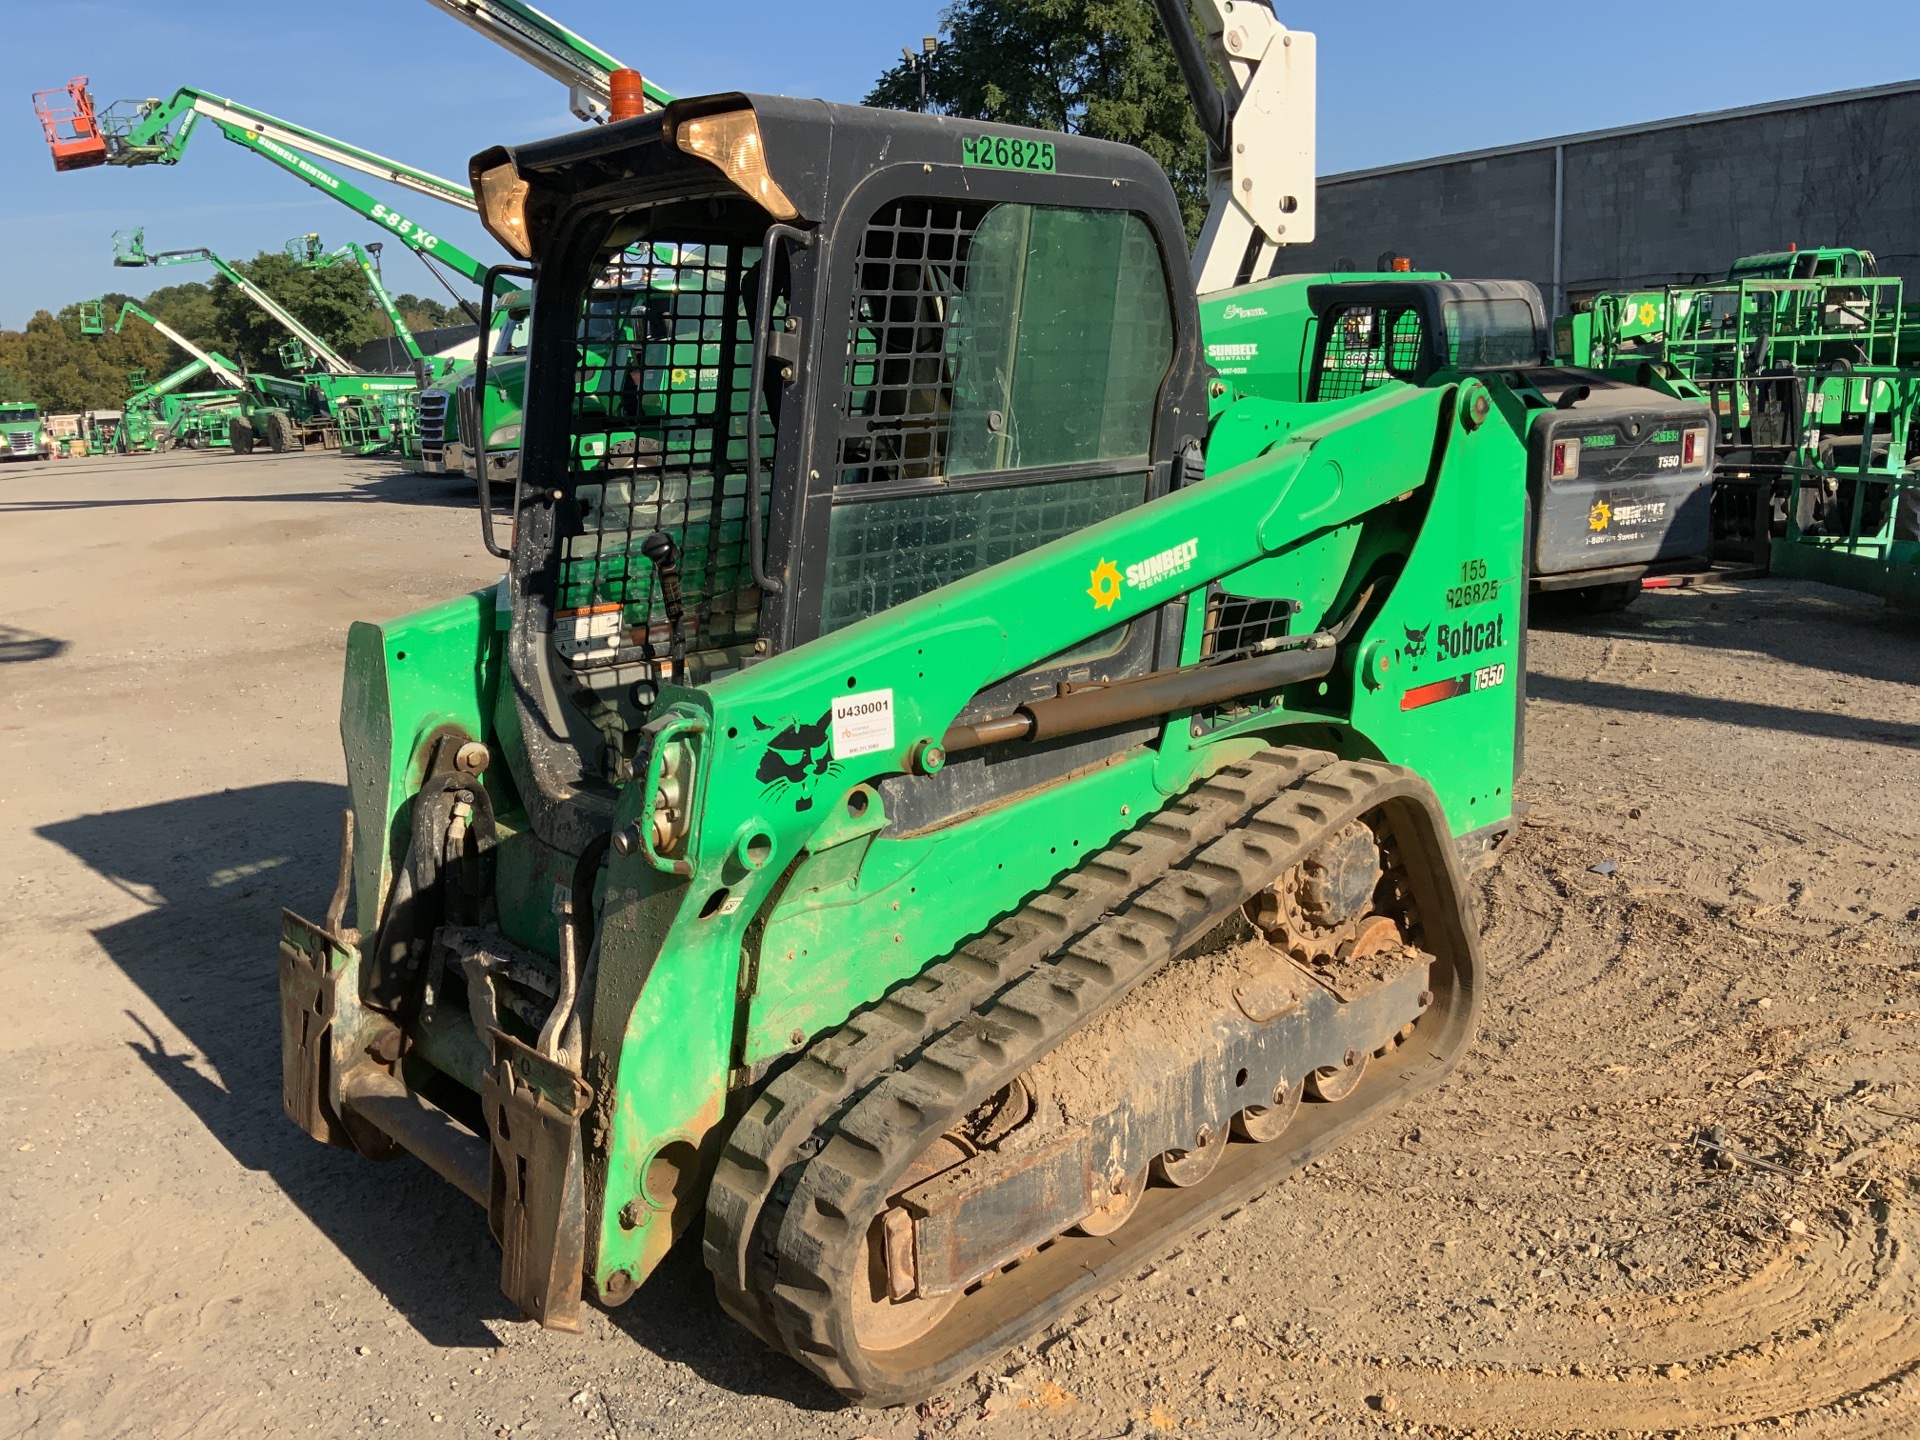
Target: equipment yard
[[1669, 1190]]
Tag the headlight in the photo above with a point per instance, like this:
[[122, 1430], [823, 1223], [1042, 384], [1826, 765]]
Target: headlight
[[732, 142], [504, 438], [503, 208]]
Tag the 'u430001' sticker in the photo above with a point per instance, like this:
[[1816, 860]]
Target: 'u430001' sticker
[[862, 724], [1487, 677]]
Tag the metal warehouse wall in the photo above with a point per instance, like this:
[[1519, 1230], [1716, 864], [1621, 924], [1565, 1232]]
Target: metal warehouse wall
[[1672, 200]]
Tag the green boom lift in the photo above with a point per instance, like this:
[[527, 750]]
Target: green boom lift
[[309, 253], [170, 417], [147, 417], [156, 132], [925, 808], [1811, 361], [333, 405]]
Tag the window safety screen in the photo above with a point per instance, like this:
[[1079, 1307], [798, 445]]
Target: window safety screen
[[1237, 623], [986, 341], [662, 384], [1366, 346], [1010, 337], [1491, 333]]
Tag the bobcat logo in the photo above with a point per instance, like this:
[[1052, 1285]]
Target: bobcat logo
[[1417, 641], [795, 759]]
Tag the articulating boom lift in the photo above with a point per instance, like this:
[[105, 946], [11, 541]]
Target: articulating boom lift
[[157, 132], [335, 406], [130, 252]]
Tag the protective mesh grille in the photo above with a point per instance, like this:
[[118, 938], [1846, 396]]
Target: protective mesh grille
[[662, 384], [1239, 622], [912, 264], [1367, 345], [885, 553]]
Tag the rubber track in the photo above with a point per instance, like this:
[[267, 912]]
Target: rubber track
[[848, 1182], [788, 1122]]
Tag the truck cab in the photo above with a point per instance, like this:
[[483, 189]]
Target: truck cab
[[23, 435]]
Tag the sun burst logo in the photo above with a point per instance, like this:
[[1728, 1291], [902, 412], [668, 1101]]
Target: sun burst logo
[[1105, 588], [1600, 516]]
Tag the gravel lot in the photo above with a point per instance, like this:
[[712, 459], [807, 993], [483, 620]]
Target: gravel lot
[[1672, 1190]]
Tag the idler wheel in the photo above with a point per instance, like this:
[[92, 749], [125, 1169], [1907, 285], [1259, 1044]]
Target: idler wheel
[[1333, 1083], [1261, 1123], [887, 1311], [1114, 1211], [1190, 1167]]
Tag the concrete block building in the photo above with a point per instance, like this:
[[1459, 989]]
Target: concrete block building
[[1666, 202]]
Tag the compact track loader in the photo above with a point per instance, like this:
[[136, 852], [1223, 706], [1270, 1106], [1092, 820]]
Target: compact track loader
[[955, 795]]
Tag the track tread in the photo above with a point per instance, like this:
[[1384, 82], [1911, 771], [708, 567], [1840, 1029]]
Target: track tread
[[792, 1117], [846, 1180]]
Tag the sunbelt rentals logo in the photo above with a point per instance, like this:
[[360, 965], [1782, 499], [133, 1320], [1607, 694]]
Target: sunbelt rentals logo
[[1106, 580]]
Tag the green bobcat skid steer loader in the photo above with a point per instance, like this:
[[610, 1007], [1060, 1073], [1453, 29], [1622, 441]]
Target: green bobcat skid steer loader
[[955, 796]]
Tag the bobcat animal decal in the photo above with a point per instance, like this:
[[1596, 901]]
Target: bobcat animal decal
[[1416, 641], [795, 759]]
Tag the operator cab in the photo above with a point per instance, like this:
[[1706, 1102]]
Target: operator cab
[[1836, 263], [1618, 474], [1368, 333], [793, 364]]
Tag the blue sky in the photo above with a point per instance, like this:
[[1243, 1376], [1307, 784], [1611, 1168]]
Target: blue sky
[[1398, 81]]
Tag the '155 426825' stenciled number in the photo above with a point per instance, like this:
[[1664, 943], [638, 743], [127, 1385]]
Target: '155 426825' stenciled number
[[1001, 152]]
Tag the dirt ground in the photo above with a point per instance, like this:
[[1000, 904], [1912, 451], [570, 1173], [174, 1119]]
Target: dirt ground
[[1672, 1190]]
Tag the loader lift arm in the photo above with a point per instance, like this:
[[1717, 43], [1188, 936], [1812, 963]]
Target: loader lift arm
[[583, 67]]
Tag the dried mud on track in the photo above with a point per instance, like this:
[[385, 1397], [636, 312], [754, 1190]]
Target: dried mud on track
[[1544, 1247]]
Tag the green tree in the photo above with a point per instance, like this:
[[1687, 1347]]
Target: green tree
[[188, 308], [337, 304], [1088, 67], [64, 370], [13, 388], [425, 313]]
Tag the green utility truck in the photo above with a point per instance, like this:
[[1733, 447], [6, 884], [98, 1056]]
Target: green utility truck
[[23, 434]]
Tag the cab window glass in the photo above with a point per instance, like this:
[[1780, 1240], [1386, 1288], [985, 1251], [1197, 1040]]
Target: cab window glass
[[660, 423], [1491, 333], [989, 342], [997, 338]]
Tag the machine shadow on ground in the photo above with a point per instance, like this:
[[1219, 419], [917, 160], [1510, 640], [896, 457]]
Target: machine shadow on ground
[[1821, 724], [20, 647], [398, 487], [1755, 615], [214, 871]]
